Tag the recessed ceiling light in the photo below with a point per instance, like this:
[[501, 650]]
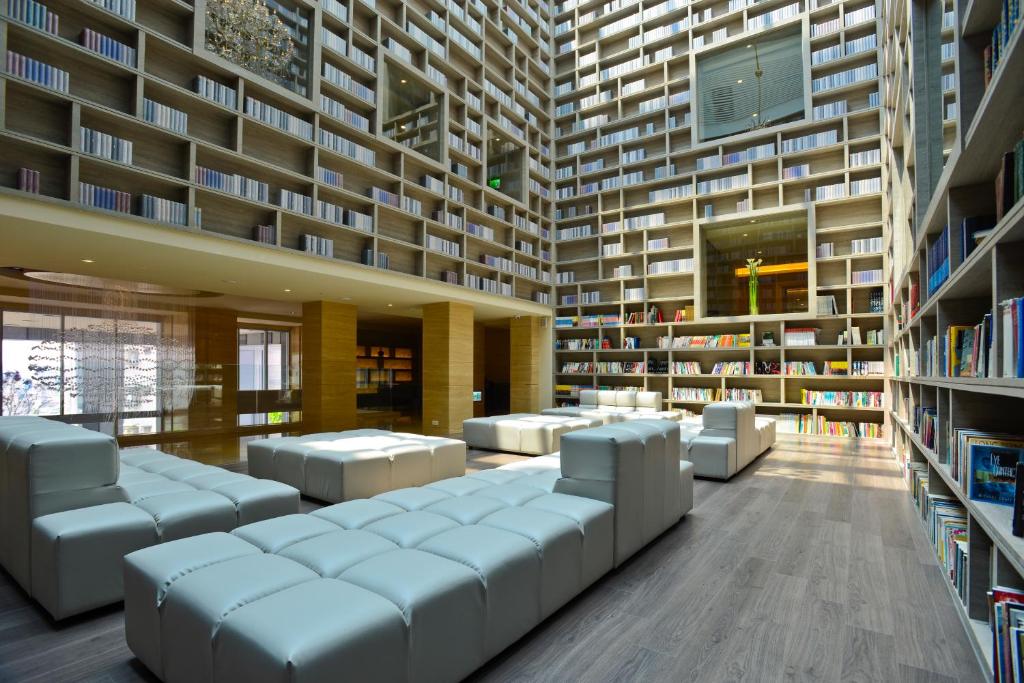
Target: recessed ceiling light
[[404, 81], [390, 305], [88, 260], [287, 290], [739, 80], [346, 298], [744, 234], [229, 282]]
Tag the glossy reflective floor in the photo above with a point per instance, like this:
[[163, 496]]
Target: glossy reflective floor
[[810, 565]]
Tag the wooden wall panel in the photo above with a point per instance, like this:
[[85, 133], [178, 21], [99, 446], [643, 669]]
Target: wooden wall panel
[[447, 367], [328, 366], [524, 364]]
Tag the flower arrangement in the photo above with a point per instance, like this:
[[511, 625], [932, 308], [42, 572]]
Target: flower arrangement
[[752, 265]]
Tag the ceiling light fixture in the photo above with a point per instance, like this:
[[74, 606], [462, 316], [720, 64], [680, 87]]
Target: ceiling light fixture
[[739, 80], [287, 290], [88, 260], [390, 305]]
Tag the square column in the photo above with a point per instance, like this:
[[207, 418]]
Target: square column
[[447, 367], [328, 366], [524, 359]]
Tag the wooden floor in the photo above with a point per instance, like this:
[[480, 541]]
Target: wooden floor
[[809, 566]]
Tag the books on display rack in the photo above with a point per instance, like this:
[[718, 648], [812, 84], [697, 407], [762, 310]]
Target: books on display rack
[[28, 180]]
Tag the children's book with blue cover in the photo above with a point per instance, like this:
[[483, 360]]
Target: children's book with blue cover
[[993, 470]]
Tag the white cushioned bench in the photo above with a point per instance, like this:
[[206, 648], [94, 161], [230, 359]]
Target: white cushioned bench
[[612, 406], [523, 432], [360, 463], [729, 437], [72, 506], [419, 584]]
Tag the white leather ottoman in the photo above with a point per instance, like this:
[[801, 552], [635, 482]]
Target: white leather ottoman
[[523, 432], [341, 466], [77, 555]]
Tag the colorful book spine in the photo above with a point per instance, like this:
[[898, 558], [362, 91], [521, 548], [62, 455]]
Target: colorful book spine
[[38, 72], [107, 47], [34, 14], [164, 116], [104, 198], [28, 180], [163, 210]]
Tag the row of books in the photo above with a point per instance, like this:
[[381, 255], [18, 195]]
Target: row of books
[[164, 210], [233, 183], [1011, 313], [853, 337], [711, 341], [107, 47], [342, 216], [38, 72], [853, 399], [1010, 180], [379, 259], [938, 261], [104, 198], [448, 247], [34, 14], [105, 145], [583, 344], [1009, 22], [122, 8], [489, 285], [925, 422], [277, 118], [732, 368], [294, 201], [686, 368], [968, 349], [946, 523], [683, 265], [164, 116], [264, 234], [866, 277], [346, 147], [697, 394], [210, 89], [28, 180], [805, 423], [321, 246], [339, 111]]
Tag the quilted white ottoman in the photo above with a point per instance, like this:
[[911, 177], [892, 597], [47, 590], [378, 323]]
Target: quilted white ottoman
[[361, 463], [72, 506], [523, 432]]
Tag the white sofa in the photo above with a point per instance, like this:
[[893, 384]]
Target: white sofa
[[523, 432], [72, 506], [360, 463], [730, 436], [419, 584], [612, 406]]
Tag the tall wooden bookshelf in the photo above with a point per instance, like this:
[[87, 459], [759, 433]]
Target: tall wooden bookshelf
[[486, 63], [943, 180], [596, 185]]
